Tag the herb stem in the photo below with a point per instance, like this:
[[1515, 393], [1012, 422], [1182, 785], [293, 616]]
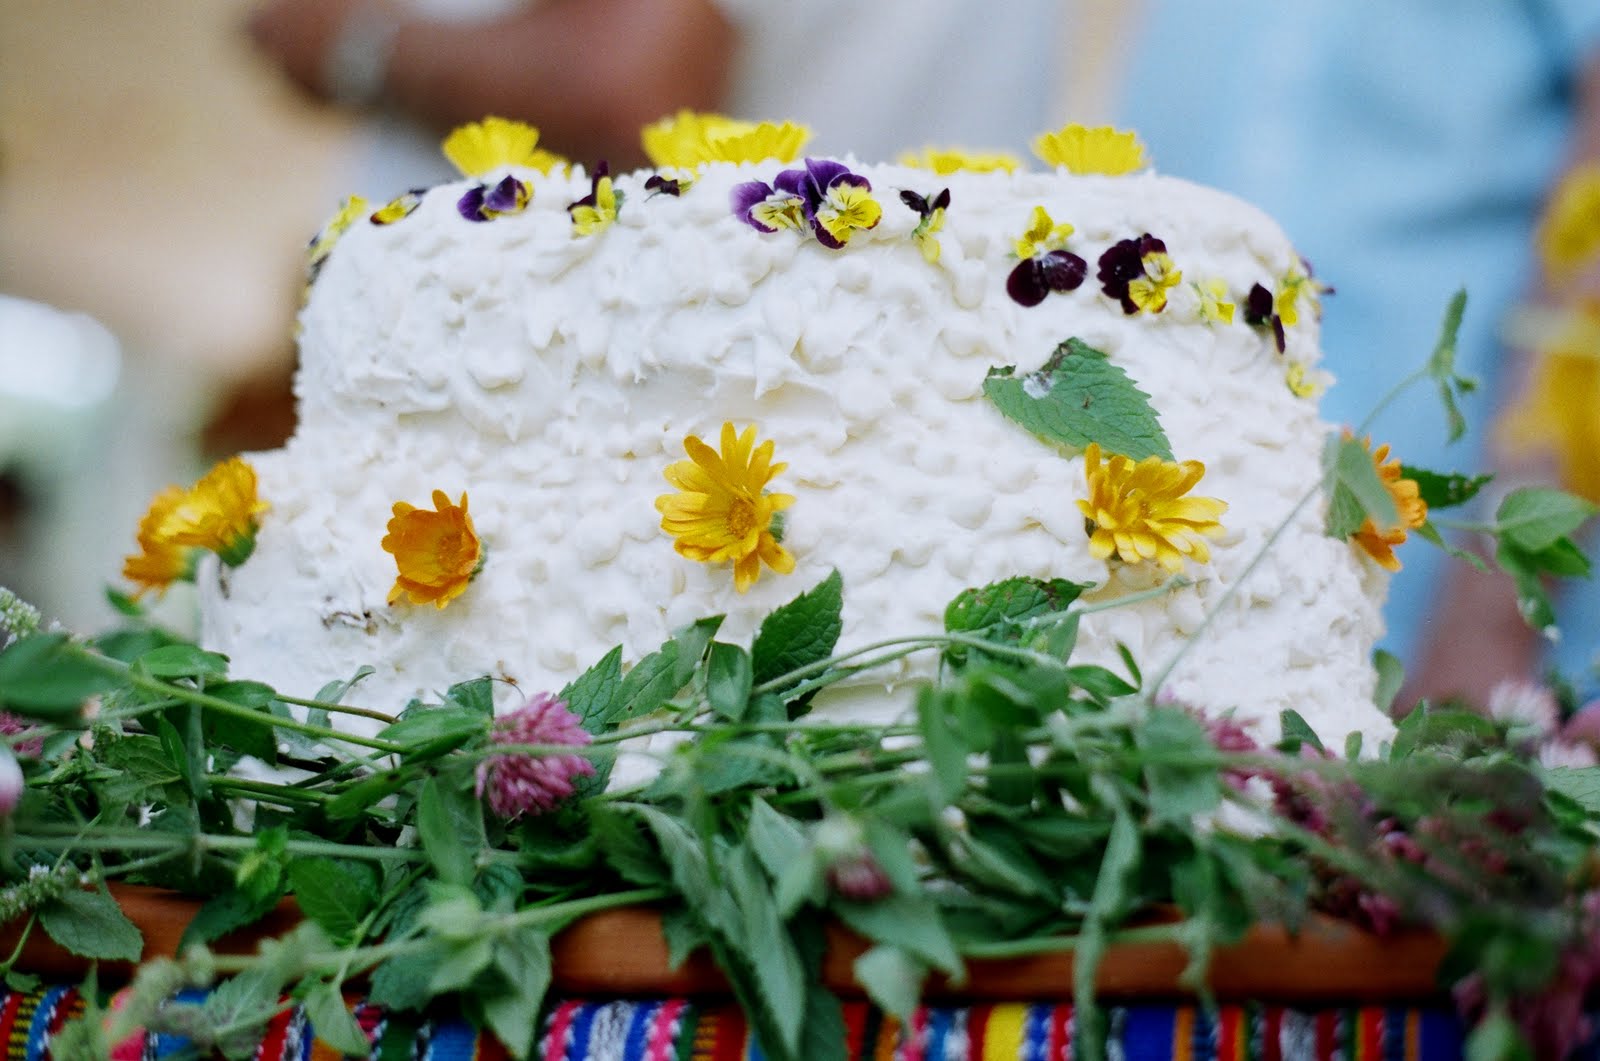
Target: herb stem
[[1023, 948]]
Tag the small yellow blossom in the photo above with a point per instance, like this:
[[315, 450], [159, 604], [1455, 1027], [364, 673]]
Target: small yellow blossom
[[395, 209], [436, 552], [947, 160], [1215, 307], [689, 139], [722, 511], [1043, 235], [1569, 233], [1559, 413], [322, 246], [846, 207], [595, 212], [478, 147], [1379, 542], [1149, 292], [925, 235], [1298, 289], [219, 513], [1302, 382], [1084, 150], [159, 562], [1137, 511]]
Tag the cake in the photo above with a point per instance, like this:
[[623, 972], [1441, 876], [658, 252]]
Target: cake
[[883, 351]]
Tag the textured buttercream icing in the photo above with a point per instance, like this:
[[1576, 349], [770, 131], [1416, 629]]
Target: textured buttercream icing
[[553, 377]]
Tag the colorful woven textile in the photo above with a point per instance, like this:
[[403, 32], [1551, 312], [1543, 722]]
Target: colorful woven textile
[[682, 1030]]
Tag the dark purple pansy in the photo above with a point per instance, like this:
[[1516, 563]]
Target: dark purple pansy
[[1260, 310], [657, 184], [483, 203], [1036, 277], [925, 206], [601, 169], [1122, 263]]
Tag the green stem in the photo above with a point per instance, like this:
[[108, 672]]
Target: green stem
[[337, 709], [1023, 948], [136, 840], [266, 790]]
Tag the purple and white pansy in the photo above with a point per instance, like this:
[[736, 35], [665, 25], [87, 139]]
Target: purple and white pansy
[[825, 195]]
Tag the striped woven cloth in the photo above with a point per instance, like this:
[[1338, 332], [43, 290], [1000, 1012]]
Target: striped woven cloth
[[682, 1030]]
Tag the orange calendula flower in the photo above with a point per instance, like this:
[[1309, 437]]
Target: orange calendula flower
[[436, 552], [1377, 542], [722, 512], [219, 513], [689, 139], [1138, 511], [1569, 233], [479, 147], [947, 160], [159, 562], [1084, 150]]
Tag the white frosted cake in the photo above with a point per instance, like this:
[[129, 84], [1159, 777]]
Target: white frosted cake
[[549, 364]]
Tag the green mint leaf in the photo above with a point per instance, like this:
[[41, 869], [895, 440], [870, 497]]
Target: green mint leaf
[[1181, 783], [1581, 785], [1445, 489], [244, 735], [334, 894], [625, 847], [773, 958], [912, 923], [693, 641], [651, 683], [182, 661], [475, 695], [43, 677], [892, 979], [944, 743], [402, 982], [522, 960], [335, 692], [1391, 676], [1107, 904], [1354, 489], [593, 695], [460, 963], [776, 840], [91, 925], [729, 678], [1014, 600], [800, 633], [1079, 397], [450, 826], [1535, 518], [434, 731], [225, 913], [332, 1022], [1442, 366], [1296, 731]]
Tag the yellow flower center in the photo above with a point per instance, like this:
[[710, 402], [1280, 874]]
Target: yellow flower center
[[741, 518]]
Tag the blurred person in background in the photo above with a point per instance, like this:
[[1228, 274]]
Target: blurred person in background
[[1408, 147], [870, 79]]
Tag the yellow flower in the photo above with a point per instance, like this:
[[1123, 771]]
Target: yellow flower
[[846, 207], [218, 513], [1149, 292], [1298, 288], [159, 562], [1137, 511], [436, 552], [925, 235], [478, 147], [722, 511], [946, 160], [1302, 382], [353, 209], [595, 211], [1214, 305], [689, 139], [1084, 150], [1569, 233], [1558, 412], [1043, 235], [1379, 542]]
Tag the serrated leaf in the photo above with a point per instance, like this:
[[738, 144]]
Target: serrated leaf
[[433, 731], [450, 826], [459, 964], [1181, 783], [651, 682], [800, 633], [1355, 490], [334, 894], [1077, 397], [776, 840], [1445, 489], [770, 951], [1296, 731], [1579, 784], [221, 914], [43, 677], [91, 925], [1535, 518], [944, 745], [402, 982], [332, 1021], [692, 642], [474, 695], [1013, 600], [911, 923], [892, 979], [245, 735], [182, 661], [592, 696], [522, 959], [729, 678]]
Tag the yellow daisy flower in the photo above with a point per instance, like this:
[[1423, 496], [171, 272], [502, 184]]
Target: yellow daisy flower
[[1378, 542], [722, 512], [689, 139], [1084, 150], [1558, 412], [947, 160], [218, 513], [1569, 233], [159, 562], [437, 552], [478, 147], [1137, 511]]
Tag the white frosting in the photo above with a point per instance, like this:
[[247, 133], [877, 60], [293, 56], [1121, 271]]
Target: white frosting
[[553, 377]]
